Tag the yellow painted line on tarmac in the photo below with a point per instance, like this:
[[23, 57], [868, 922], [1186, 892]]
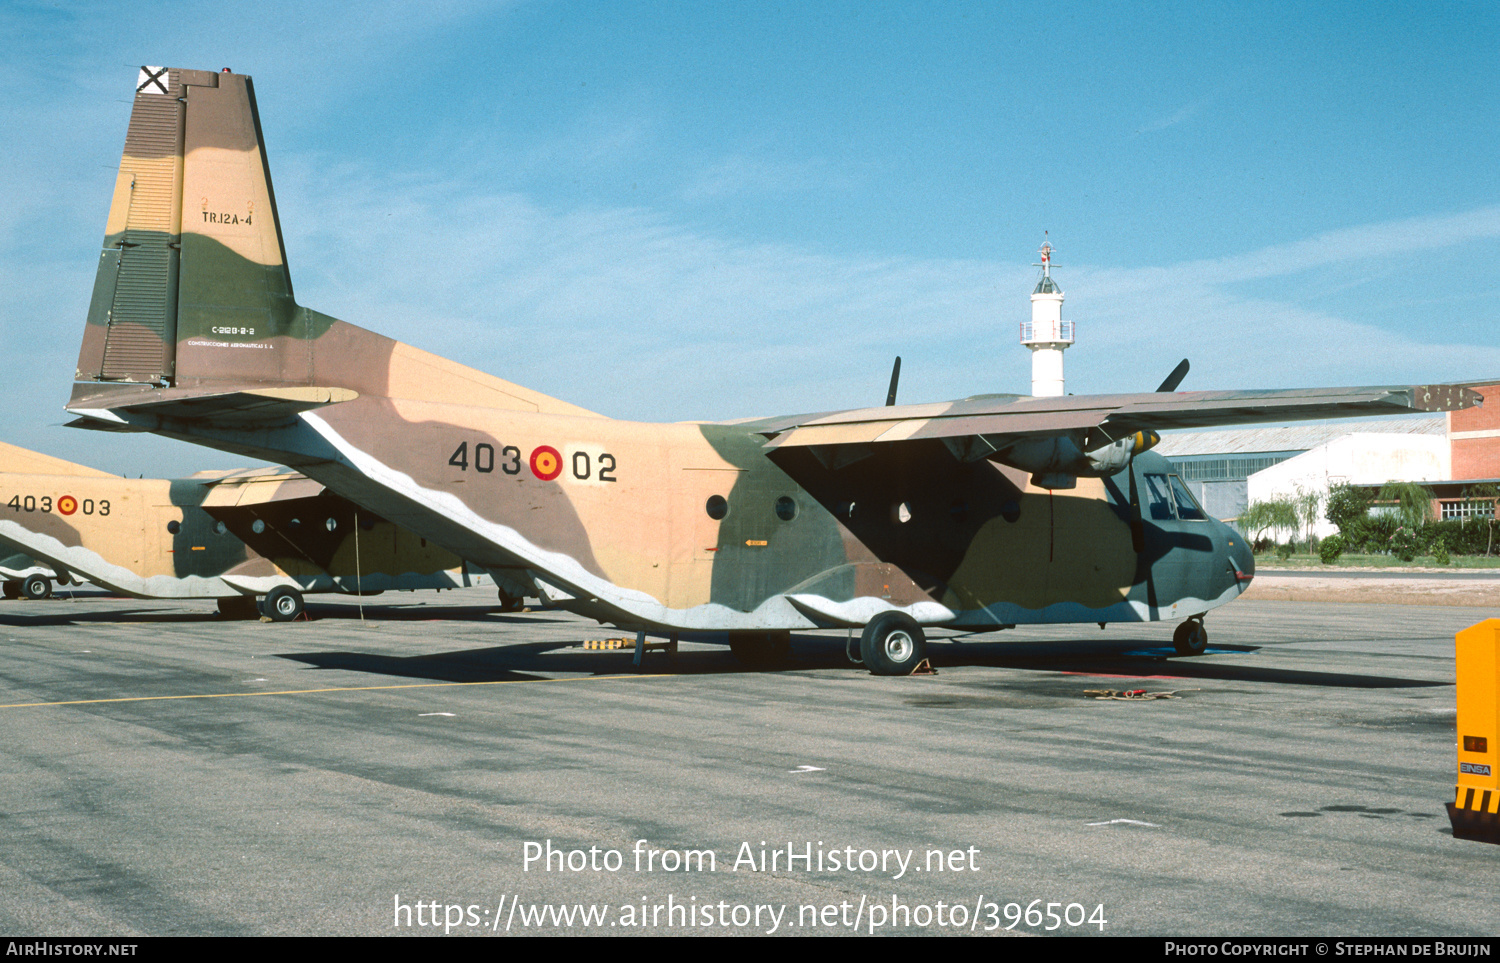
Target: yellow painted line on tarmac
[[352, 688]]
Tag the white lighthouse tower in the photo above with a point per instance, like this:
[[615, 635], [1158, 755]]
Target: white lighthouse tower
[[1046, 334]]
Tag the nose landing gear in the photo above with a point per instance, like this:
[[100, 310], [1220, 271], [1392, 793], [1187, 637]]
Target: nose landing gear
[[1190, 638]]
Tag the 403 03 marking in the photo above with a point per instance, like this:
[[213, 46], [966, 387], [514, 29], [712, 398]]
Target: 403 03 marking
[[66, 505]]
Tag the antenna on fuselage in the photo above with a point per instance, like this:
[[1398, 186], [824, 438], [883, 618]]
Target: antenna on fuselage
[[890, 396]]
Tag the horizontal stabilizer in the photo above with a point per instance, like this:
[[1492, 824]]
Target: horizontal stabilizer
[[259, 486], [141, 407]]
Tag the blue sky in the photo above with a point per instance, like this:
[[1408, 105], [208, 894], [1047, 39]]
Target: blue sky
[[681, 211]]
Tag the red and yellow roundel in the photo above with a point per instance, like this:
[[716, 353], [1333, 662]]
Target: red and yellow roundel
[[546, 463], [67, 504]]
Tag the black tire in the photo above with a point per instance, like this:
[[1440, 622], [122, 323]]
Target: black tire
[[511, 603], [1190, 638], [239, 607], [36, 587], [282, 604], [11, 588], [761, 650], [892, 644]]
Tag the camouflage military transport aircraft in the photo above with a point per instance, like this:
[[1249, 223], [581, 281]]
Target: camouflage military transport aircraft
[[230, 536], [988, 512]]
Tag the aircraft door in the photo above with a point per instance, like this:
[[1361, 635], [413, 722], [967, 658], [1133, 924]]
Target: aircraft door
[[700, 502], [1090, 557]]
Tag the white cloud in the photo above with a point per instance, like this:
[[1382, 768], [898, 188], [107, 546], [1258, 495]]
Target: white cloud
[[1173, 119], [1354, 243]]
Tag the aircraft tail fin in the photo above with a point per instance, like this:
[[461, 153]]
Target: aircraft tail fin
[[193, 294], [193, 258]]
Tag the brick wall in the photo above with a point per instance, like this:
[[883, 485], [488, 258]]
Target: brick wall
[[1477, 457]]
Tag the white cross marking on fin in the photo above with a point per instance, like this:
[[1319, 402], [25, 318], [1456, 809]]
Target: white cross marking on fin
[[151, 80]]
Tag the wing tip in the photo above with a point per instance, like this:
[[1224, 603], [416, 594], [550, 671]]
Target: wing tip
[[1445, 398]]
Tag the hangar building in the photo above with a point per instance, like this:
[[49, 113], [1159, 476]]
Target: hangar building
[[1227, 469]]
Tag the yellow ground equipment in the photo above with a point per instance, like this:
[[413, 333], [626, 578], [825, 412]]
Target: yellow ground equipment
[[1475, 810]]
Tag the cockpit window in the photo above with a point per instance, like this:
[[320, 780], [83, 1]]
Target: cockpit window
[[1187, 506], [1158, 498]]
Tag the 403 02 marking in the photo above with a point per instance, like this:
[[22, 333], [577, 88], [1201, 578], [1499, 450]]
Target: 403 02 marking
[[546, 462]]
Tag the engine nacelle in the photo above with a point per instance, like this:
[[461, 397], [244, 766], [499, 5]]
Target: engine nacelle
[[1057, 461]]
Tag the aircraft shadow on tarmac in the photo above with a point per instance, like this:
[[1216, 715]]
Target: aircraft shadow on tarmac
[[65, 617], [1101, 657], [1133, 658], [54, 615], [532, 661]]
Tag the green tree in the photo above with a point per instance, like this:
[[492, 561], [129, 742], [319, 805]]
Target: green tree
[[1276, 515], [1412, 503], [1347, 507], [1489, 492], [1309, 505]]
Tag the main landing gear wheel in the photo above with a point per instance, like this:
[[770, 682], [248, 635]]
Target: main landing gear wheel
[[11, 588], [892, 644], [761, 650], [1190, 638], [36, 588], [283, 603], [511, 603]]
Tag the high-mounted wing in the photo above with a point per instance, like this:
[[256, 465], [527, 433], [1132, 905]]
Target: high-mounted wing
[[1116, 415], [1089, 434]]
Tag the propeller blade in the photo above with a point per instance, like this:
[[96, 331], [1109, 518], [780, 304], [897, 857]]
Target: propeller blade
[[1175, 378], [890, 396]]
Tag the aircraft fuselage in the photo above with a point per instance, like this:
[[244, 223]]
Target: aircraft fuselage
[[701, 527]]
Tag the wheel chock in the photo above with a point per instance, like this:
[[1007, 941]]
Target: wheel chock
[[608, 643], [1475, 810], [924, 668]]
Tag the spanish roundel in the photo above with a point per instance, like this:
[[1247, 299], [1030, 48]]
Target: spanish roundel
[[546, 463], [67, 504]]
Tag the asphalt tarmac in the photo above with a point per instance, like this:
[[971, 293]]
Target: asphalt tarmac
[[166, 772]]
